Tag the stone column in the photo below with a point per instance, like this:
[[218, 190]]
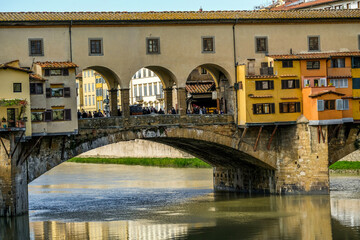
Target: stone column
[[13, 179], [181, 93], [113, 102], [218, 99], [125, 102], [168, 99]]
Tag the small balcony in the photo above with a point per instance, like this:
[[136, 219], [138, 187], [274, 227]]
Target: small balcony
[[339, 72], [12, 126], [267, 71]]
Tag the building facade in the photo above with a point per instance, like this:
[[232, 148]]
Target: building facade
[[314, 4]]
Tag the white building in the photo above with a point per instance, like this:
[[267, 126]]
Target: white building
[[146, 89], [314, 4]]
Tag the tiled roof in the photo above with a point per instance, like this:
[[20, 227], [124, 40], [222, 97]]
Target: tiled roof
[[200, 88], [36, 77], [340, 76], [55, 65], [174, 16], [321, 55], [260, 76], [289, 98], [291, 6], [325, 92], [288, 75], [5, 66]]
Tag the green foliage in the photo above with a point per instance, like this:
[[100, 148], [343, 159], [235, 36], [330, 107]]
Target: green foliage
[[158, 162], [345, 165]]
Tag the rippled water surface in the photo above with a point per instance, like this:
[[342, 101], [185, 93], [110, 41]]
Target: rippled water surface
[[83, 201]]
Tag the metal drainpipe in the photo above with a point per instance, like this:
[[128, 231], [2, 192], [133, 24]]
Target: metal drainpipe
[[70, 40], [235, 65]]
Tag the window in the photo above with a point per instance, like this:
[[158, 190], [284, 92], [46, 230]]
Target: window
[[144, 73], [145, 90], [329, 104], [150, 89], [135, 90], [57, 92], [88, 87], [346, 104], [57, 72], [312, 65], [322, 82], [153, 45], [36, 88], [290, 84], [287, 64], [289, 107], [356, 62], [338, 63], [261, 44], [339, 83], [356, 83], [264, 85], [264, 108], [36, 47], [348, 6], [17, 87], [140, 90], [320, 105], [203, 71], [58, 115], [306, 82], [314, 43], [95, 48], [208, 45], [93, 86], [37, 116], [86, 101], [93, 98], [155, 89]]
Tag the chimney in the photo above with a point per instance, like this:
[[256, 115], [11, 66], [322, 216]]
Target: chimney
[[200, 10]]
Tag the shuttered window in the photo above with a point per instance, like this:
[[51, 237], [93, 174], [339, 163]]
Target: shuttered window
[[289, 107], [264, 108], [48, 116], [290, 84], [339, 104], [356, 83], [264, 85], [67, 114], [320, 105], [66, 92]]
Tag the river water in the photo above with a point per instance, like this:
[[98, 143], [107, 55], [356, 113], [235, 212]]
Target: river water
[[85, 201]]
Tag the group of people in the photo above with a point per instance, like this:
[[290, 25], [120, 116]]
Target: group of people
[[95, 114], [152, 110]]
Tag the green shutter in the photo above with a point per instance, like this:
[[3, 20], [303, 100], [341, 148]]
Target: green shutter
[[356, 83]]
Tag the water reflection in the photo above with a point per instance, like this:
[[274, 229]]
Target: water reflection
[[75, 202]]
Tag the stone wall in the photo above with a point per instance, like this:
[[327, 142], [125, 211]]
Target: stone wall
[[136, 149], [352, 157]]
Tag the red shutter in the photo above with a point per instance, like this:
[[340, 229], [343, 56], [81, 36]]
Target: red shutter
[[66, 92], [48, 92], [48, 116], [67, 114]]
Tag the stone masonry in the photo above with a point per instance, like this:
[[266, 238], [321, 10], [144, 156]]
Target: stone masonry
[[295, 161]]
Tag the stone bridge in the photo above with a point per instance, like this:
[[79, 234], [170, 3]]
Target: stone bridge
[[282, 159]]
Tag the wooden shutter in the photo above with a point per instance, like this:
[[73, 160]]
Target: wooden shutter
[[297, 83], [271, 84], [48, 92], [32, 88], [66, 92], [281, 107], [65, 72], [48, 116], [297, 107], [272, 107], [339, 104], [356, 83], [258, 85], [254, 108], [47, 72], [320, 105], [283, 84], [67, 114]]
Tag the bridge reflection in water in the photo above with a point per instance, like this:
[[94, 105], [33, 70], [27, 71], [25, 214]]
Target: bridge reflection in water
[[225, 217]]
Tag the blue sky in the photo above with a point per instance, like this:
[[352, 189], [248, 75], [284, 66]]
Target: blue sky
[[126, 5]]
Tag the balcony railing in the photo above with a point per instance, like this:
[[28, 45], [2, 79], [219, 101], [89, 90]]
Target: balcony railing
[[139, 98], [339, 72]]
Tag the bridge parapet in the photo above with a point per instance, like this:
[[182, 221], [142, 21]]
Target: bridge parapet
[[155, 120]]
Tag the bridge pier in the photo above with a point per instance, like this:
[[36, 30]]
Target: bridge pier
[[168, 96], [13, 179], [125, 102], [181, 98], [113, 101]]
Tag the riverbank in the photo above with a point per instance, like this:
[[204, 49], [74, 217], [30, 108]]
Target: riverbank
[[345, 167], [154, 162]]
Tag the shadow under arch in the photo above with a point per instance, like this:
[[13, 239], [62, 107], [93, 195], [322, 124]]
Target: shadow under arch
[[110, 77], [217, 72], [165, 75]]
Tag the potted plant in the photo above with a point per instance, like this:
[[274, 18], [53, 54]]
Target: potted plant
[[307, 85]]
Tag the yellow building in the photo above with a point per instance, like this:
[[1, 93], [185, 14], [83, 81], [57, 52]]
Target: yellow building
[[355, 72], [15, 98], [273, 97]]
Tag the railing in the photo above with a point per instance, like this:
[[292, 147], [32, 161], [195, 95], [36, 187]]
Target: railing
[[267, 71], [339, 72]]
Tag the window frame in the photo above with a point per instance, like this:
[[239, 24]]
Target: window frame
[[259, 85], [288, 61], [308, 43], [312, 67], [148, 39], [266, 44], [42, 47], [270, 105], [42, 113], [35, 87], [203, 45], [297, 107], [285, 83], [17, 84], [101, 48]]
